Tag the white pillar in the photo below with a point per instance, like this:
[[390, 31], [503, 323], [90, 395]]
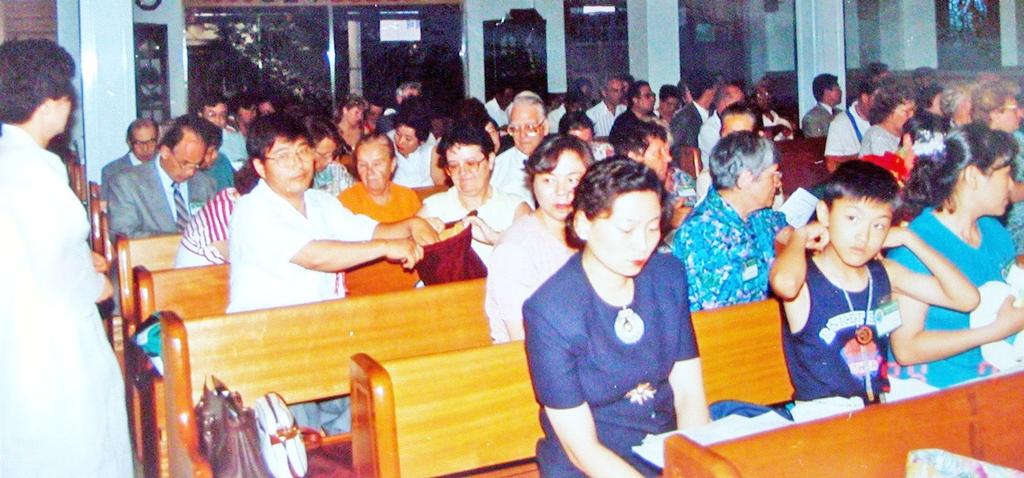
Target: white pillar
[[820, 46], [108, 80], [476, 12], [654, 41], [68, 36], [1008, 32], [172, 14], [908, 37], [355, 57]]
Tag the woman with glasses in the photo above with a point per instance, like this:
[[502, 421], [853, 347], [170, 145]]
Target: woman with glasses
[[535, 246], [467, 156], [609, 342], [331, 176]]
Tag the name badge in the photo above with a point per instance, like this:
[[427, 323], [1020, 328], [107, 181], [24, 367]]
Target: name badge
[[194, 207], [749, 270], [887, 318]]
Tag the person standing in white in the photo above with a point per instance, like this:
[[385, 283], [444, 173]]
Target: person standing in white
[[63, 410], [610, 107], [528, 128]]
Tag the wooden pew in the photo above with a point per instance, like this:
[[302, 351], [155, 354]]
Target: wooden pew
[[984, 420], [154, 253], [428, 191], [741, 353], [458, 411], [802, 164], [689, 160], [444, 413], [302, 352]]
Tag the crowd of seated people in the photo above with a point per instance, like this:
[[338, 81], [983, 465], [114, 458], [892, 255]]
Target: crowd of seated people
[[599, 245]]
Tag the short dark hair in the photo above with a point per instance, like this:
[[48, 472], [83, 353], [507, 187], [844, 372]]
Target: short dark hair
[[545, 158], [211, 99], [605, 181], [415, 113], [743, 108], [876, 69], [927, 94], [823, 82], [137, 124], [472, 112], [211, 134], [867, 86], [925, 126], [634, 89], [248, 101], [861, 180], [193, 123], [574, 120], [267, 129], [669, 91], [464, 136], [935, 176], [32, 72], [319, 128], [700, 82], [887, 99], [637, 137]]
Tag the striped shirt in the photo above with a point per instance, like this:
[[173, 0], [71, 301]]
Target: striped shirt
[[604, 119], [208, 225]]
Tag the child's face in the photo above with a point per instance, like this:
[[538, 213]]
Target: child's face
[[856, 228]]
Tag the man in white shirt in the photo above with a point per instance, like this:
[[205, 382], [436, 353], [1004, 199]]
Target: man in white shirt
[[611, 106], [289, 244], [848, 128], [828, 94], [141, 139], [710, 132], [528, 127]]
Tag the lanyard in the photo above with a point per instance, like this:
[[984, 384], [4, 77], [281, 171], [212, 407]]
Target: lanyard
[[856, 129], [867, 310]]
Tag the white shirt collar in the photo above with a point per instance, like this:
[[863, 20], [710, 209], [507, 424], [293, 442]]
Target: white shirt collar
[[134, 159], [827, 108], [704, 114]]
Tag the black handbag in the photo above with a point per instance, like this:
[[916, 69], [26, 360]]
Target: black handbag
[[228, 434]]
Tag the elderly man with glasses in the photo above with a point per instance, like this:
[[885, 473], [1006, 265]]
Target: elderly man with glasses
[[159, 197], [528, 127], [141, 138]]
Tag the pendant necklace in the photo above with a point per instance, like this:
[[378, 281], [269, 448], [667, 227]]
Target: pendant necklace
[[864, 335], [629, 326]]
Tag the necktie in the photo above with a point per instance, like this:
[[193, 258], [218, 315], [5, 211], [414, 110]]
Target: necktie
[[180, 208]]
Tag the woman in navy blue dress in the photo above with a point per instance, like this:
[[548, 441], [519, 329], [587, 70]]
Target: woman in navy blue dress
[[609, 341]]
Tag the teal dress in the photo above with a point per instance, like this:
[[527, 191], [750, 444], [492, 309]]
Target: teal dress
[[980, 265], [1015, 218]]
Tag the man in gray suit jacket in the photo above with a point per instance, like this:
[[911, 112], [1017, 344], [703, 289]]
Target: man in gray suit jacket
[[141, 138], [685, 126], [828, 94], [159, 197]]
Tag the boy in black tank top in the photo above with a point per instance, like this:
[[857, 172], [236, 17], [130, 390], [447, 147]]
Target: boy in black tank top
[[839, 295]]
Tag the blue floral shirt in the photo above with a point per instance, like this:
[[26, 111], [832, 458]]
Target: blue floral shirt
[[726, 259]]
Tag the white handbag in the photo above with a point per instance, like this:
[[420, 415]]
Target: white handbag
[[280, 437]]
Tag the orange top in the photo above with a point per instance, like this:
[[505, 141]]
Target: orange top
[[402, 204], [380, 276]]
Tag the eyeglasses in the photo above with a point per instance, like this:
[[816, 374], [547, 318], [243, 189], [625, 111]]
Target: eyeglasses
[[1009, 108], [299, 155], [469, 167], [148, 142], [185, 165], [526, 128]]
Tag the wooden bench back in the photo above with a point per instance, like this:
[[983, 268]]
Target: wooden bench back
[[802, 164], [689, 160], [741, 353], [442, 413], [303, 352], [428, 191], [983, 420], [189, 292], [154, 253]]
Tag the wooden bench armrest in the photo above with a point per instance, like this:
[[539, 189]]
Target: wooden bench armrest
[[373, 419], [681, 453], [184, 457]]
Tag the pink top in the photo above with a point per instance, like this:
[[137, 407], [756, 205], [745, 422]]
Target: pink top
[[208, 225], [525, 256]]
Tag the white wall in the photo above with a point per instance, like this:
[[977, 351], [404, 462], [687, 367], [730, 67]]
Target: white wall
[[820, 45], [476, 12], [780, 30], [172, 14], [68, 36], [1008, 32], [653, 36], [909, 39]]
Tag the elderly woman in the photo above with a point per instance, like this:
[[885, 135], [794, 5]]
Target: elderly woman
[[468, 158], [995, 105], [331, 176], [963, 188], [956, 104], [621, 362], [728, 241], [535, 246], [348, 121], [891, 107]]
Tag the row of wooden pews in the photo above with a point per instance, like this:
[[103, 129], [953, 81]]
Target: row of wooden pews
[[802, 164]]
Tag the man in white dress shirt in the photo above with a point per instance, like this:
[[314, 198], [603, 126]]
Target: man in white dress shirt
[[848, 127], [528, 127], [710, 132], [610, 107]]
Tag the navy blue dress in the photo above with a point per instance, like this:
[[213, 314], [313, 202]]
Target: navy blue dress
[[575, 357], [827, 358]]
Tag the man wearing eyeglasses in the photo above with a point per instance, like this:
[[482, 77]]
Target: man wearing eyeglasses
[[160, 196], [528, 126], [641, 107], [141, 138]]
